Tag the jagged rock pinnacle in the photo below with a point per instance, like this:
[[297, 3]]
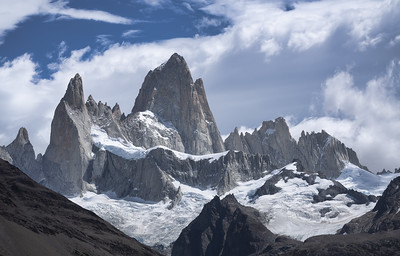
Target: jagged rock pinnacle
[[67, 156], [74, 94], [22, 153], [22, 136]]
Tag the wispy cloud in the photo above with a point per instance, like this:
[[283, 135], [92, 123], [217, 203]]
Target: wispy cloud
[[22, 10], [131, 33], [155, 3], [208, 22], [60, 8], [187, 6], [104, 40]]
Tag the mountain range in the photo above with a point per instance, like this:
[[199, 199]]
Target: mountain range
[[166, 158]]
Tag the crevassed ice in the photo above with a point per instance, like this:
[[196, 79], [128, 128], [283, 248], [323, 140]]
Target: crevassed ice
[[288, 212], [353, 177]]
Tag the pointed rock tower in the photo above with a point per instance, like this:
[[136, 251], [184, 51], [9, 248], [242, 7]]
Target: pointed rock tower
[[67, 157], [22, 154], [170, 93]]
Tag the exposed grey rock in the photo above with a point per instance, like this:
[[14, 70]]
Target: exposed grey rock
[[337, 188], [236, 141], [104, 117], [69, 152], [149, 177], [116, 111], [5, 155], [318, 152], [147, 130], [141, 178], [324, 154], [170, 93], [23, 156], [222, 174], [273, 139]]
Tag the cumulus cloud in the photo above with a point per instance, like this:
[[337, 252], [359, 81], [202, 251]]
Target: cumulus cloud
[[22, 102], [366, 118]]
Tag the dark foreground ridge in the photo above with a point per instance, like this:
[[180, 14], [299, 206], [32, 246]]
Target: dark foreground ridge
[[225, 227], [37, 221]]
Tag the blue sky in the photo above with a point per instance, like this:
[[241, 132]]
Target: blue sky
[[329, 64]]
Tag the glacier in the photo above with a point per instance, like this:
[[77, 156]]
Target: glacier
[[289, 212]]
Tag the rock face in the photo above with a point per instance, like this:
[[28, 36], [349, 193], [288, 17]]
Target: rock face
[[147, 130], [273, 139], [324, 154], [5, 155], [318, 152], [143, 178], [22, 153], [67, 157], [170, 93], [384, 217], [149, 177], [224, 227], [37, 221]]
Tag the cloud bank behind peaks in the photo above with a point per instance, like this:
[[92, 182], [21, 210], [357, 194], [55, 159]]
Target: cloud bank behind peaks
[[367, 118]]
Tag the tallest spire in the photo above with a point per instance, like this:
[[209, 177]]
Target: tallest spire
[[169, 92], [74, 94]]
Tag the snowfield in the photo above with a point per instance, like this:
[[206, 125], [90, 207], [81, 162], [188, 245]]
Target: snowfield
[[127, 150], [289, 212]]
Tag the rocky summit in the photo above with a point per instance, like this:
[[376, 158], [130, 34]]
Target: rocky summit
[[224, 227], [67, 157], [318, 152], [170, 93]]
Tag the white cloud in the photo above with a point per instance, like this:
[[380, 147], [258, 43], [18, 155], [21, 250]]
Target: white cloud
[[14, 12], [154, 3], [395, 40], [130, 33], [60, 8], [367, 119], [187, 6], [104, 40], [24, 103], [208, 22]]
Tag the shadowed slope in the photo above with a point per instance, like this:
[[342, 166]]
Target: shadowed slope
[[37, 221]]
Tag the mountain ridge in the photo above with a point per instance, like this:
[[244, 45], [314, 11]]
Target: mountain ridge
[[73, 163], [37, 221]]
